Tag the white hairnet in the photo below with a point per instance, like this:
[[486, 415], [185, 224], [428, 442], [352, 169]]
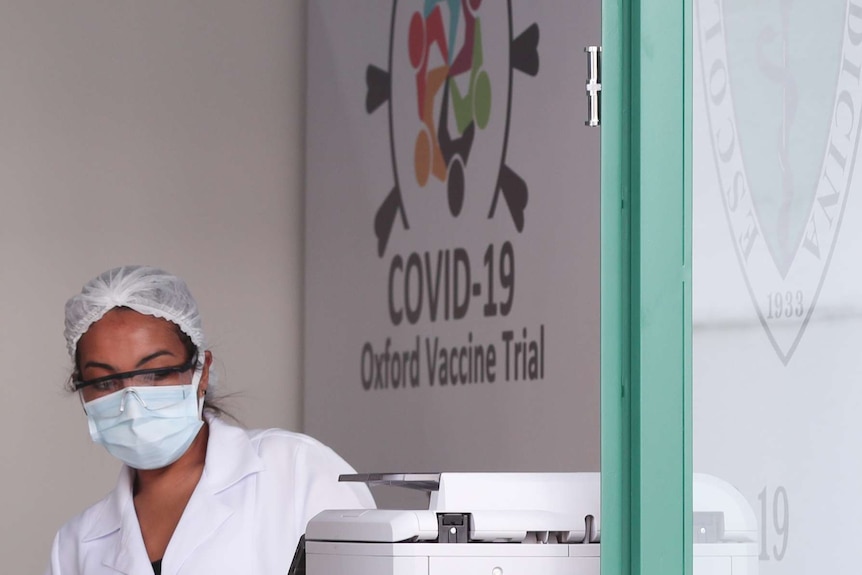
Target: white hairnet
[[146, 290]]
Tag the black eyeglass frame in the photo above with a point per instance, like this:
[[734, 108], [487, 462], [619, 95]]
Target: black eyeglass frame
[[79, 385]]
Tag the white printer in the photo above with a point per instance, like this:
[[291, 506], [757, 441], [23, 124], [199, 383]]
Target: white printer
[[509, 524], [725, 529]]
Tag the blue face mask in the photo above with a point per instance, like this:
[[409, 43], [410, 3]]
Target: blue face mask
[[147, 427]]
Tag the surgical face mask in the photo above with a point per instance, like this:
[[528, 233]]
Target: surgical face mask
[[147, 427]]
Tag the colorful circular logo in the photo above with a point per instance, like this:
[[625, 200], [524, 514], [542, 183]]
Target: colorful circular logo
[[448, 90]]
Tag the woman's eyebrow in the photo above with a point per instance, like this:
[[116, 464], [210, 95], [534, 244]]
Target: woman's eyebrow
[[153, 356], [143, 361], [104, 366]]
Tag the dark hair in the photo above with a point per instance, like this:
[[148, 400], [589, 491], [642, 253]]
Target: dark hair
[[211, 404]]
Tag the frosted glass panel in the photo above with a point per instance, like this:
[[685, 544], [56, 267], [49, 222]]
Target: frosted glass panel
[[777, 304]]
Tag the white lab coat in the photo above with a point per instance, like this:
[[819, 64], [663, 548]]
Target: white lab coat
[[257, 492]]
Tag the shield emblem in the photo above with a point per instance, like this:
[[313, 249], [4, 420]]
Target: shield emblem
[[781, 82]]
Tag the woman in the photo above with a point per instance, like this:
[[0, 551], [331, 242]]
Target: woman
[[196, 494]]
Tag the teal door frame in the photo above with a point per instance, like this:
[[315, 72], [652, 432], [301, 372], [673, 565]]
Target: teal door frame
[[646, 287]]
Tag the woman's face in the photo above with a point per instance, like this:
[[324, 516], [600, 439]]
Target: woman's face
[[124, 340]]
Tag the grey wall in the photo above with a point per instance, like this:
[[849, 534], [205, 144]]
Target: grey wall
[[161, 132]]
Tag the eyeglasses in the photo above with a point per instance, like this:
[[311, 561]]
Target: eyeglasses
[[102, 386]]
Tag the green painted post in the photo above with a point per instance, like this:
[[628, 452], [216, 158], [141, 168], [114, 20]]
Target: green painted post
[[615, 432], [646, 288]]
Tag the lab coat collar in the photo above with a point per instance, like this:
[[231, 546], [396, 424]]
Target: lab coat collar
[[117, 517], [109, 516], [230, 458], [230, 455]]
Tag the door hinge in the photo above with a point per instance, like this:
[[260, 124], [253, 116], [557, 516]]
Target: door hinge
[[594, 85]]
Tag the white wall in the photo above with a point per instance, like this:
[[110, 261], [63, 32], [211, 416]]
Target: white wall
[[160, 132]]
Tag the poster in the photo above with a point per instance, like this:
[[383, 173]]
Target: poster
[[452, 235]]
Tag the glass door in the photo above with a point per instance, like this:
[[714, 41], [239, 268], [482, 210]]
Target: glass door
[[777, 319]]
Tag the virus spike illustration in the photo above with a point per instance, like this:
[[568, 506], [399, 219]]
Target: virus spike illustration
[[514, 190], [385, 218], [525, 53], [378, 82], [524, 57]]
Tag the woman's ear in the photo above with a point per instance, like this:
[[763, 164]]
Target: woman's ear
[[205, 376]]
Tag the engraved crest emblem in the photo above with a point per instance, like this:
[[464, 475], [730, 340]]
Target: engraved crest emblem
[[781, 82]]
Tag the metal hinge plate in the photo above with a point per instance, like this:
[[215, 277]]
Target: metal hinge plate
[[594, 85]]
